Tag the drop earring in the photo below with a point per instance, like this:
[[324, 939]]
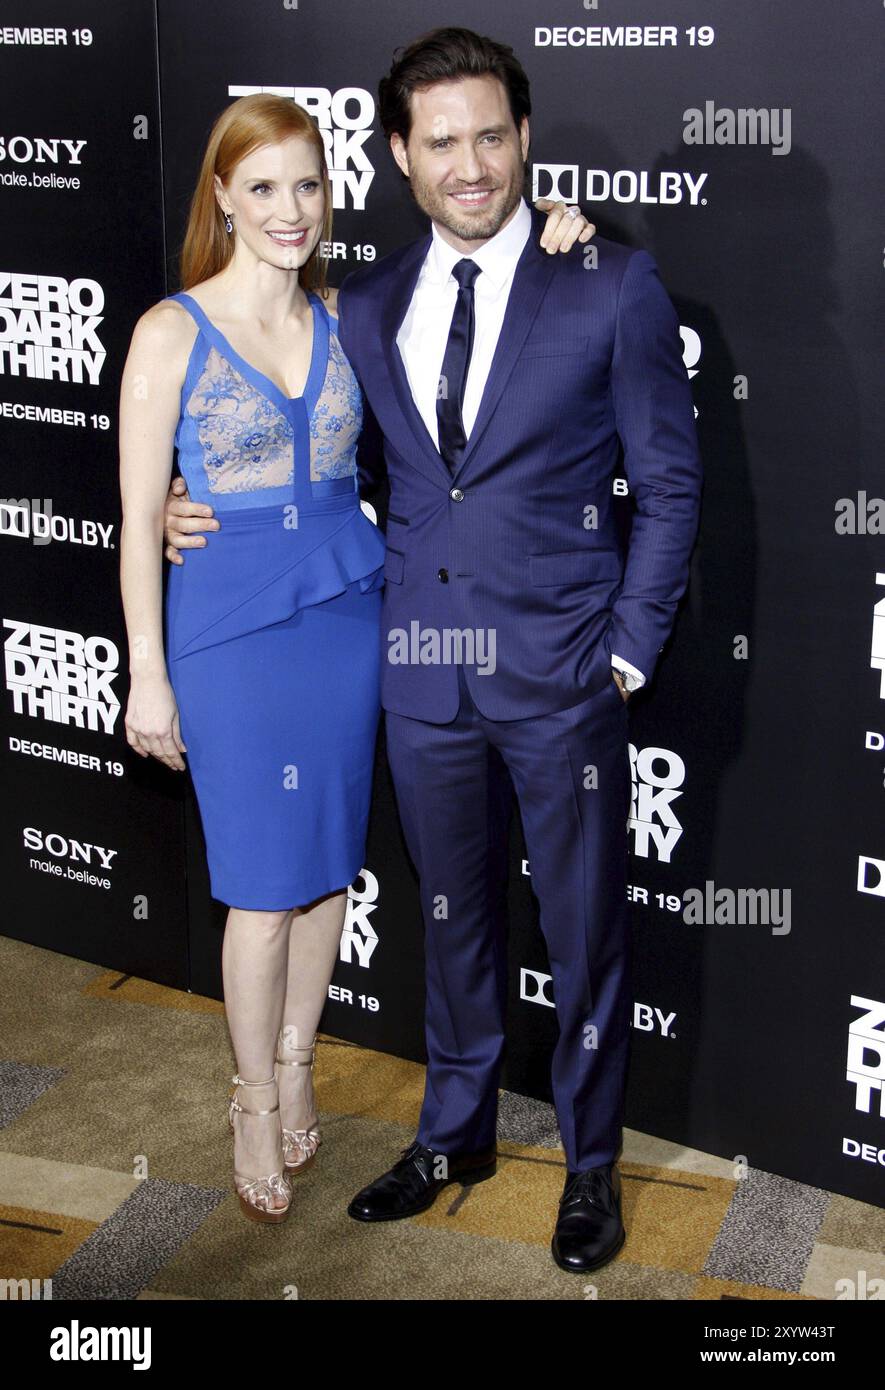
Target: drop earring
[[228, 225]]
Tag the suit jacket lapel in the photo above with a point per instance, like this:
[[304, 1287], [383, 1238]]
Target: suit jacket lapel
[[530, 281], [531, 278], [393, 314]]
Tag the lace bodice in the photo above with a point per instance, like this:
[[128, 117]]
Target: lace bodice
[[243, 443]]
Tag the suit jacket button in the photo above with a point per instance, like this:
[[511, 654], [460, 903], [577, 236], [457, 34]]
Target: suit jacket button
[[443, 576], [456, 495]]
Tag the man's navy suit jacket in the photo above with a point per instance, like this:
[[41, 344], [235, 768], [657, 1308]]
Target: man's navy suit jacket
[[522, 539]]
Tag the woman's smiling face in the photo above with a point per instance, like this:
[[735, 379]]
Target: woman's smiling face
[[276, 196]]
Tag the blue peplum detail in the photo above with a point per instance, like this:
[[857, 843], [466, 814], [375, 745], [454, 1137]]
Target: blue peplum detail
[[257, 571]]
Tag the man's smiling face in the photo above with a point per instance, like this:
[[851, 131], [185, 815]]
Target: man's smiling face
[[465, 158]]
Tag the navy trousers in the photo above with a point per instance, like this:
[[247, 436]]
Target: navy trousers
[[571, 774]]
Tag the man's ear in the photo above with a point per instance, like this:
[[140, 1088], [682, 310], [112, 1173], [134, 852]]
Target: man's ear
[[398, 150], [524, 137]]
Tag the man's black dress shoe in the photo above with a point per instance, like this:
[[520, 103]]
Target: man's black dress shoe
[[413, 1183], [589, 1230]]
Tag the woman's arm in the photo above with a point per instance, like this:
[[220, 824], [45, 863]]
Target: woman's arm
[[150, 393]]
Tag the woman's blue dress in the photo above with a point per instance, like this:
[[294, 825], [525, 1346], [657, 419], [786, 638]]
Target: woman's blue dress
[[273, 629]]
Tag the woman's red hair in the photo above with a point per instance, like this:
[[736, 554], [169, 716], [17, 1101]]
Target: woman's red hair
[[244, 126]]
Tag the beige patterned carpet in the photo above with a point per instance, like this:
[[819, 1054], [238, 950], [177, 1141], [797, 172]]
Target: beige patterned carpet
[[116, 1177]]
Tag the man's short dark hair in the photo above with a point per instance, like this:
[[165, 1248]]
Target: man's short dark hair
[[448, 55]]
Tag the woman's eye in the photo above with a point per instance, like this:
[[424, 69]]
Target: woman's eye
[[309, 187]]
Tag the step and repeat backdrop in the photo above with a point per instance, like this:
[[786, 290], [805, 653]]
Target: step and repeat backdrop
[[739, 145]]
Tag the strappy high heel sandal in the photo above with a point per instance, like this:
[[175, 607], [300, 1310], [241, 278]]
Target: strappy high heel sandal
[[256, 1194], [299, 1145]]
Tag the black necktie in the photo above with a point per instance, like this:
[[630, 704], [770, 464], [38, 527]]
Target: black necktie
[[453, 378]]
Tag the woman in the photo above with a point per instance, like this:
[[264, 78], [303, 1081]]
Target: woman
[[269, 676]]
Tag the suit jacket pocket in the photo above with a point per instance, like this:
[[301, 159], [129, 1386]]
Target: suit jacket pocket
[[551, 346], [574, 566]]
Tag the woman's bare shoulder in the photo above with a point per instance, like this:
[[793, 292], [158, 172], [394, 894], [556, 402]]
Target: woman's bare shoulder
[[162, 341], [166, 327]]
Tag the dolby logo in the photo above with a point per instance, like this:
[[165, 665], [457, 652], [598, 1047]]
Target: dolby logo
[[667, 188], [535, 987], [33, 519]]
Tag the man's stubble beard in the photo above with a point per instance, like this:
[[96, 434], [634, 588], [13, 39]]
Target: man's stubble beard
[[439, 207]]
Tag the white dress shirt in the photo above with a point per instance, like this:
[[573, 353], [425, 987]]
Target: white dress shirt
[[424, 331]]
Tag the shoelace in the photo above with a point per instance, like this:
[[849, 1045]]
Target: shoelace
[[419, 1179], [408, 1153], [591, 1185]]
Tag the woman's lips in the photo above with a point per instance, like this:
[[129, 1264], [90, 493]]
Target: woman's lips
[[288, 238]]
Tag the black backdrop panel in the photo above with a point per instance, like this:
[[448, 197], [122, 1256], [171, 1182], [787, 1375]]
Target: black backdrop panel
[[751, 771], [93, 861], [759, 755]]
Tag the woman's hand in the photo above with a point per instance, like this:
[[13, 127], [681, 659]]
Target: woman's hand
[[152, 727], [562, 230]]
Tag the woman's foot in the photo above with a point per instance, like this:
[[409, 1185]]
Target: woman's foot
[[259, 1176], [300, 1130]]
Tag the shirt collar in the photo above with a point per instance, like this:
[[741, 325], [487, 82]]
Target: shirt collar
[[496, 258]]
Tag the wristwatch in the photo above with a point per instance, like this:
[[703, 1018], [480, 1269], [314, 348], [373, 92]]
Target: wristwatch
[[628, 680]]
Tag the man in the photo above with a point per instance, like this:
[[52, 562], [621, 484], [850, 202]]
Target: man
[[503, 380]]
